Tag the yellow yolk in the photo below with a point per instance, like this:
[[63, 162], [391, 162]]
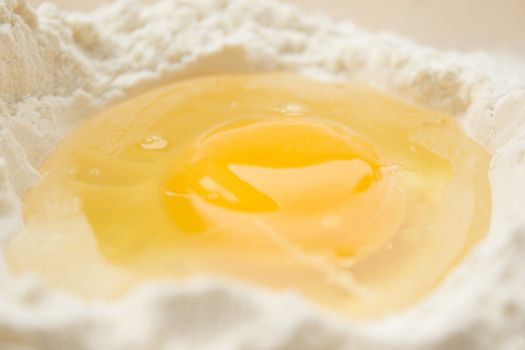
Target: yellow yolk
[[318, 185], [358, 201]]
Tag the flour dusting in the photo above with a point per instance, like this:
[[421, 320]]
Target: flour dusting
[[56, 69]]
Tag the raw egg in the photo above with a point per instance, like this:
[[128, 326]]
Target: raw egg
[[356, 200]]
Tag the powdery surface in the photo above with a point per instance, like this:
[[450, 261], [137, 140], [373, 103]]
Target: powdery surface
[[57, 69]]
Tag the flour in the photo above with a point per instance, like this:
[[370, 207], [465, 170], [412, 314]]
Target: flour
[[57, 69]]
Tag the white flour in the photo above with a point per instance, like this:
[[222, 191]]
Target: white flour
[[56, 70]]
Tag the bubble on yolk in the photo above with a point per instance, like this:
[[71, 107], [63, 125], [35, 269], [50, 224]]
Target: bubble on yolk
[[358, 201]]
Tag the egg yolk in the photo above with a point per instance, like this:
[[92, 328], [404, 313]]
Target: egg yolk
[[356, 200], [318, 185]]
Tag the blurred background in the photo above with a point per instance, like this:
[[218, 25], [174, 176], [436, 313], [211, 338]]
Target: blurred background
[[465, 25]]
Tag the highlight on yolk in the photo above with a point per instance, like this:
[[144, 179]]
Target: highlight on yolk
[[354, 199]]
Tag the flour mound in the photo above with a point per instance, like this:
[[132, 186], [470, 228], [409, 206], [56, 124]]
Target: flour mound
[[59, 68]]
